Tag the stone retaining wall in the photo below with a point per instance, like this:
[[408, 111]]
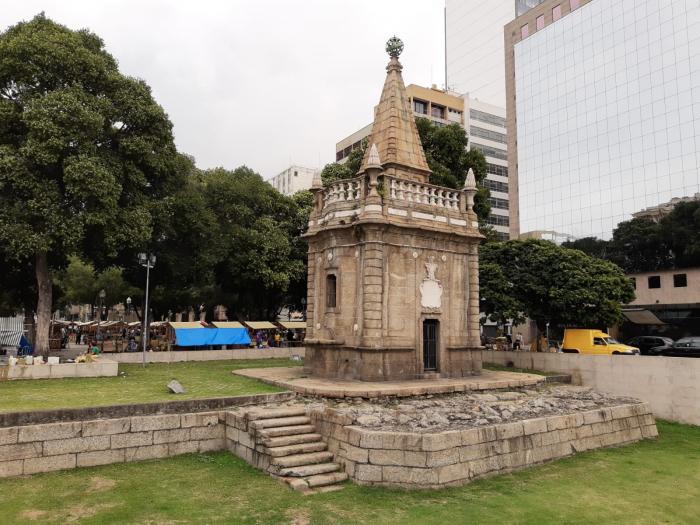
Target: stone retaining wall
[[31, 448], [669, 384], [100, 368], [432, 460], [58, 446], [177, 356]]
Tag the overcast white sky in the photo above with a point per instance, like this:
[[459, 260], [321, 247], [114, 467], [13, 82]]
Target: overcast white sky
[[264, 83]]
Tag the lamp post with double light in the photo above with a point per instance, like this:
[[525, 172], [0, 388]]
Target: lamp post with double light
[[148, 261]]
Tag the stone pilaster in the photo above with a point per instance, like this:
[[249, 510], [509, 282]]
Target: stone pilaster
[[372, 294]]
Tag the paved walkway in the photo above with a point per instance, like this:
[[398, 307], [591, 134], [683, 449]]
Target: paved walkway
[[294, 379]]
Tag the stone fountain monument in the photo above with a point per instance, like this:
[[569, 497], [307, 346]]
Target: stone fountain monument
[[393, 287]]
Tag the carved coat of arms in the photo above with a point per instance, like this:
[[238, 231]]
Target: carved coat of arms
[[430, 288]]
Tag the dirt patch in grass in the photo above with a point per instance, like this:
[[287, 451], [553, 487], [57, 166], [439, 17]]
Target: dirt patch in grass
[[79, 512], [32, 514], [299, 517], [98, 483]]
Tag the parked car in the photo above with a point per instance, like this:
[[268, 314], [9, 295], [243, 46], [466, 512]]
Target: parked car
[[650, 344], [684, 347], [586, 341]]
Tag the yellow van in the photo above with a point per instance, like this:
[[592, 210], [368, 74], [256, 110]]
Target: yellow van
[[585, 341]]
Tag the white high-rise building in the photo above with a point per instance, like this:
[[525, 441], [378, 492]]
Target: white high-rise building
[[293, 179]]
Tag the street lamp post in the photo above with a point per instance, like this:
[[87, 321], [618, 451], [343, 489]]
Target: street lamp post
[[102, 296], [128, 307], [148, 261]]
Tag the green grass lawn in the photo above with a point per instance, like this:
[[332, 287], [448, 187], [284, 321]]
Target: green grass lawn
[[651, 482], [137, 385]]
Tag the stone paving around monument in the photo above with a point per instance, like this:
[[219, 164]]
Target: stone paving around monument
[[297, 380]]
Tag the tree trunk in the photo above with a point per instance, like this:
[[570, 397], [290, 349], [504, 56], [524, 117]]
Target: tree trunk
[[43, 305]]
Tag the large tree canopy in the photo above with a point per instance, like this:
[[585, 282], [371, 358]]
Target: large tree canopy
[[86, 154], [549, 283], [229, 238], [642, 244]]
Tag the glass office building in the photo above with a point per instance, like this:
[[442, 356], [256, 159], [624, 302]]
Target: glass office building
[[607, 103]]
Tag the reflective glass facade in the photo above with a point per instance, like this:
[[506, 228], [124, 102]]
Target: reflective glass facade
[[608, 114]]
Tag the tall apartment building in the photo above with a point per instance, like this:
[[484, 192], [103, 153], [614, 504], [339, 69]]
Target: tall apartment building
[[293, 179], [603, 105], [485, 127]]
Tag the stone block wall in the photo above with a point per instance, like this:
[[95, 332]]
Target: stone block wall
[[101, 368], [177, 356], [56, 446], [415, 460]]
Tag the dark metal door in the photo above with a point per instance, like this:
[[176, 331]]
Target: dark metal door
[[430, 344]]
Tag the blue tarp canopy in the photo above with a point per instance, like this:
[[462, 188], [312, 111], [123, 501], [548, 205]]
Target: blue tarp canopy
[[211, 336]]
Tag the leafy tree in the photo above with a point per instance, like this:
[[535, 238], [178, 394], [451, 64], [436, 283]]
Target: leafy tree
[[591, 246], [549, 283], [86, 154], [79, 283], [448, 158], [346, 170], [642, 244], [680, 230]]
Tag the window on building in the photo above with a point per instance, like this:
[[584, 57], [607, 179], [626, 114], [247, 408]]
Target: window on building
[[494, 169], [497, 220], [495, 185], [420, 107], [540, 22], [339, 155], [437, 111], [654, 281], [680, 280], [487, 117], [556, 12], [575, 4], [331, 283], [487, 134], [524, 31], [296, 173], [498, 203], [490, 152]]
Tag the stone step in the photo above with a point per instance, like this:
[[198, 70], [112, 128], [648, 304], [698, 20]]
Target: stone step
[[309, 470], [302, 459], [273, 413], [322, 480], [293, 450], [294, 439], [280, 422], [286, 431]]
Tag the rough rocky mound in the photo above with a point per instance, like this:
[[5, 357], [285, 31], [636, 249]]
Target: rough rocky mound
[[430, 413]]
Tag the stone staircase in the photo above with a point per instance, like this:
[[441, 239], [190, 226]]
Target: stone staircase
[[295, 452]]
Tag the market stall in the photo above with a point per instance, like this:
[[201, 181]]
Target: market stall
[[294, 332], [262, 333]]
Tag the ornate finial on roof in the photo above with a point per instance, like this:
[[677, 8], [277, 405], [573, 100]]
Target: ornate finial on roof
[[394, 46], [373, 159], [470, 181]]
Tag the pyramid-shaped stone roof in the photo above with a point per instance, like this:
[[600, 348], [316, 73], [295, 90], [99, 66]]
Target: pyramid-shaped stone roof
[[394, 131]]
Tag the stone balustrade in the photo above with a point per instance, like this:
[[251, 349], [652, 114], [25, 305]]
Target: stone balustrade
[[347, 190], [416, 193]]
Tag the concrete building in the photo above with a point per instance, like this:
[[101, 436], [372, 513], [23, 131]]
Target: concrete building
[[293, 179], [603, 111], [667, 302], [485, 127], [393, 289]]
